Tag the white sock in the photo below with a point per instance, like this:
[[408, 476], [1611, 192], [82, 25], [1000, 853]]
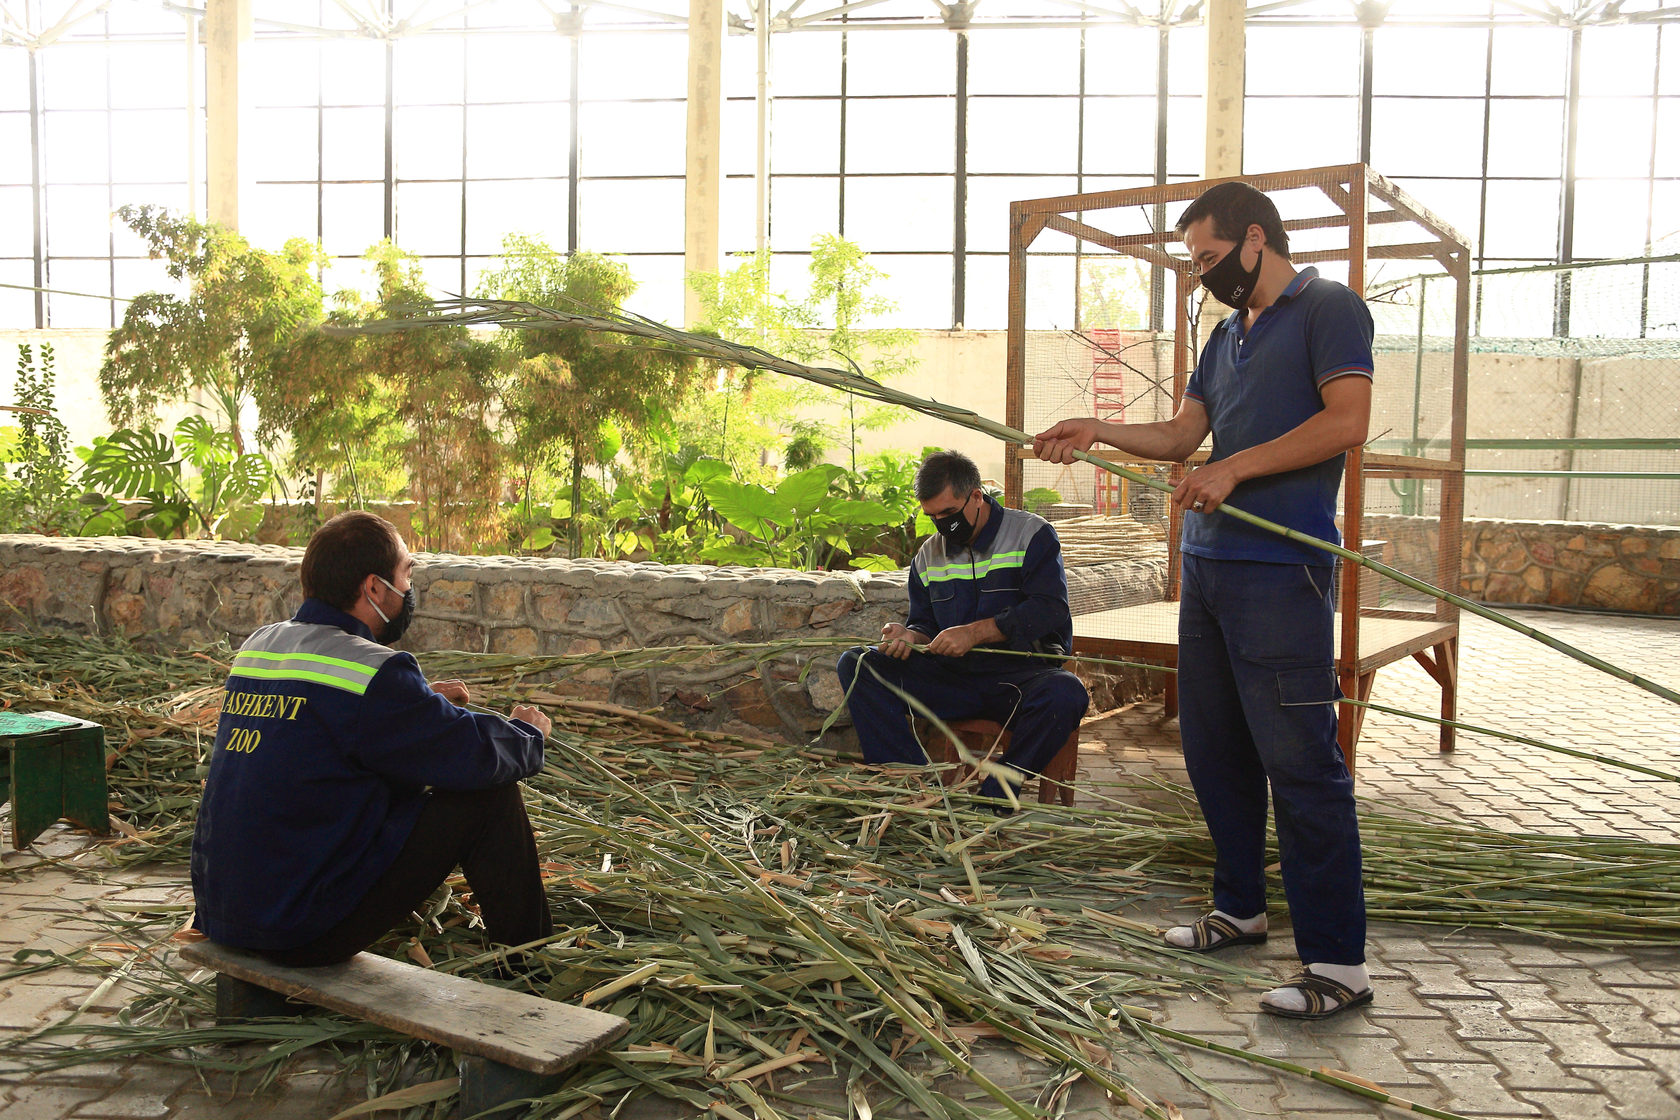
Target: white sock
[[1184, 936], [1291, 999]]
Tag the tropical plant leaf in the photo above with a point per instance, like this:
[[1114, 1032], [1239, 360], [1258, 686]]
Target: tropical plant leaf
[[202, 445], [802, 493], [248, 478], [540, 538], [728, 552], [702, 471], [108, 522], [239, 523], [746, 505], [875, 562], [128, 463], [850, 512], [165, 516], [561, 510]]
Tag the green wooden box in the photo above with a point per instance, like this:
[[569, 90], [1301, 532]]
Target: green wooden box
[[54, 768]]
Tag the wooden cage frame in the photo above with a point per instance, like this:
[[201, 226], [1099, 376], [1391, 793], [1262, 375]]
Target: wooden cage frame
[[1357, 199]]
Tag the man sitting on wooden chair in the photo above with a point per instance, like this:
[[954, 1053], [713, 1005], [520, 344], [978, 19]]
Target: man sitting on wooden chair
[[343, 788], [990, 579]]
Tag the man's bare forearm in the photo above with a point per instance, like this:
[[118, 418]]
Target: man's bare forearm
[[1160, 440]]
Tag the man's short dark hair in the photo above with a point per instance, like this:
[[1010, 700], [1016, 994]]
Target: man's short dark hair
[[946, 468], [1235, 206], [344, 552]]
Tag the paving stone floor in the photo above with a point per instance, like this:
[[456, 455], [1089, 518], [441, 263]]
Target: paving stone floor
[[1485, 1026]]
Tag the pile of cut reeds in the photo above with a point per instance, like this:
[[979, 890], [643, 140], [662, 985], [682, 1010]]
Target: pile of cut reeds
[[777, 923]]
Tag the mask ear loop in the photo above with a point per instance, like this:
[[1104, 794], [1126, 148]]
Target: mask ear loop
[[383, 617]]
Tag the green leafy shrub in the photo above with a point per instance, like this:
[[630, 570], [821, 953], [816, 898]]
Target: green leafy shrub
[[138, 482], [40, 495]]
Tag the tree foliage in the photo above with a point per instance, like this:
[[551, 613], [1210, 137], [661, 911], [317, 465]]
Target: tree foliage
[[830, 324], [432, 396], [41, 498], [240, 308], [572, 393]]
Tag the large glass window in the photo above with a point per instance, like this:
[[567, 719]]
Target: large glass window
[[449, 127]]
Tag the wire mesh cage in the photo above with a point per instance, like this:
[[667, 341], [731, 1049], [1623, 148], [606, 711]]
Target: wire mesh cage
[[1077, 350]]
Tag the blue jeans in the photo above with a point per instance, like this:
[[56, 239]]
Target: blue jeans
[[1046, 706], [1257, 691]]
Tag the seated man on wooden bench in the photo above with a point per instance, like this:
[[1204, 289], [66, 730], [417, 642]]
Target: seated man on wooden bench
[[343, 788], [991, 578]]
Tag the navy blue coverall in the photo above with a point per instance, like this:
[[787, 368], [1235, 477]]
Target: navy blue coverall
[[1011, 572]]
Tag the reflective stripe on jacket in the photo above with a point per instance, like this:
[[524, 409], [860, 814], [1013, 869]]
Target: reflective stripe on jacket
[[1011, 572]]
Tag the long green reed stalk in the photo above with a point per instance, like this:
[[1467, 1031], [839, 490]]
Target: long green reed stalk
[[513, 315]]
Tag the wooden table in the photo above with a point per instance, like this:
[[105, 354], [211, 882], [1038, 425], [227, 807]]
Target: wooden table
[[1149, 632]]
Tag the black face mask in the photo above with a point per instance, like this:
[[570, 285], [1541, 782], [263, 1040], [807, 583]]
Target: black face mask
[[955, 528], [396, 627], [1230, 283]]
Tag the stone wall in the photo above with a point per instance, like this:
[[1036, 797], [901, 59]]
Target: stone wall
[[1631, 568], [192, 593]]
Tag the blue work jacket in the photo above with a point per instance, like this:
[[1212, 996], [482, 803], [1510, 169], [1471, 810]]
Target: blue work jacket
[[1011, 573], [323, 755]]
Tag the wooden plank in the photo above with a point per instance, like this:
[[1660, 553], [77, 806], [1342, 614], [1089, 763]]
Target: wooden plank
[[1395, 464], [1113, 241], [1150, 630], [516, 1029]]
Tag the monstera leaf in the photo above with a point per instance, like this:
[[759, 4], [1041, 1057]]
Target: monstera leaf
[[247, 478], [128, 463], [203, 445]]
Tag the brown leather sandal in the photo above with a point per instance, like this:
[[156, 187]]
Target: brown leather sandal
[[1215, 931], [1318, 991]]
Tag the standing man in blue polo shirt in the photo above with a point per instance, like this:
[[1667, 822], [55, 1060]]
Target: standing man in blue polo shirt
[[990, 578], [1284, 385]]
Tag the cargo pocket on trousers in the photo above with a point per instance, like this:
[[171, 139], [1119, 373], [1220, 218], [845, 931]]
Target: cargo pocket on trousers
[[1314, 685]]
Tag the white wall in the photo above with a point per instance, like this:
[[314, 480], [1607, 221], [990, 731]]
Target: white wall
[[954, 367]]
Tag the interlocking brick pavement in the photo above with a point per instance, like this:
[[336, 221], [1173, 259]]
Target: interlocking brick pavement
[[1491, 1026]]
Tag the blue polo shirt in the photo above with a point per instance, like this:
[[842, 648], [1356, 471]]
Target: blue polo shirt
[[1259, 384]]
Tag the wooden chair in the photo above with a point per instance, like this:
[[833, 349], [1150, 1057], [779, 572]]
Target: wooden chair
[[980, 736]]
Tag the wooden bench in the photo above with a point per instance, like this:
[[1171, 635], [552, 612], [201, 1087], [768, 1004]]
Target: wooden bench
[[508, 1045], [55, 768], [979, 737]]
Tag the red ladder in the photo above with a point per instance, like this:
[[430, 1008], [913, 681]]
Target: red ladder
[[1108, 393]]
